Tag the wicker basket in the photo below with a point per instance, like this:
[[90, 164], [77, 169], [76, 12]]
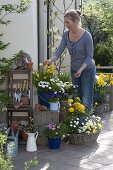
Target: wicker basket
[[82, 139]]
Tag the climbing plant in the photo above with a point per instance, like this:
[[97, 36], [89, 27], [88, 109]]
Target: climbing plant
[[56, 26]]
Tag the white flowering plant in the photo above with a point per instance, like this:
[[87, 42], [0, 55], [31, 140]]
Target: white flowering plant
[[79, 121], [88, 124]]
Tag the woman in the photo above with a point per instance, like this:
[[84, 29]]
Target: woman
[[80, 46]]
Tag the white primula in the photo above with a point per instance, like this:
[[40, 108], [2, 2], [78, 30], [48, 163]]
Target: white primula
[[82, 123], [77, 123], [52, 80]]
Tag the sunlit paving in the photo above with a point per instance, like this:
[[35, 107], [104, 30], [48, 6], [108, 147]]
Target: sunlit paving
[[56, 85], [98, 155]]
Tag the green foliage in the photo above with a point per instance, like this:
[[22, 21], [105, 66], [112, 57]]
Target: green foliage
[[29, 164], [53, 99], [65, 77], [103, 54], [5, 162], [98, 18]]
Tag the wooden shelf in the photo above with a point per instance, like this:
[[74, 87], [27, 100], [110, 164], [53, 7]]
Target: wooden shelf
[[16, 79]]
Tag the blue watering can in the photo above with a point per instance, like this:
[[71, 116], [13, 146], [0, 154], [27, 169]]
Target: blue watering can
[[12, 143]]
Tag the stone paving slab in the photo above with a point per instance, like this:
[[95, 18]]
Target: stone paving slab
[[96, 156]]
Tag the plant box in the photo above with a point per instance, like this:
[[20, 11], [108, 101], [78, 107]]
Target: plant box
[[81, 139]]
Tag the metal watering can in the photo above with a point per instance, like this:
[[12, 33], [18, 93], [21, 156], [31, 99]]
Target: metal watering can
[[12, 143]]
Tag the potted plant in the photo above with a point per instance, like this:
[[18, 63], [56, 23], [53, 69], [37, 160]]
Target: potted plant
[[54, 132], [101, 90], [82, 127], [54, 102], [32, 132], [47, 83]]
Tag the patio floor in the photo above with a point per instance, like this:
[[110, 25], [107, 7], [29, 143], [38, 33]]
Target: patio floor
[[69, 157]]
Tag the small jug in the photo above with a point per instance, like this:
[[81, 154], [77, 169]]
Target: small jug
[[31, 142], [54, 106]]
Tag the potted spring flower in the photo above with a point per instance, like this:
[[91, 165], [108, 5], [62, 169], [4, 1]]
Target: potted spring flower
[[101, 90], [41, 80], [54, 102], [82, 127], [46, 83], [54, 132]]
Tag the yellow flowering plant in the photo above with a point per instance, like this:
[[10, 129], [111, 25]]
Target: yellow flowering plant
[[79, 121], [100, 88], [42, 77]]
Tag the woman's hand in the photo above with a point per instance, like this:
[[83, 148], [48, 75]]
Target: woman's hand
[[51, 60], [78, 73], [48, 62]]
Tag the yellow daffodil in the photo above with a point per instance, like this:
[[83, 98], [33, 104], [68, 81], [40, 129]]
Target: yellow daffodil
[[102, 75], [98, 65], [101, 82], [77, 98], [40, 64], [111, 82]]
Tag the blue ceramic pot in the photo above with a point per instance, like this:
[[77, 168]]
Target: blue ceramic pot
[[54, 143], [43, 99]]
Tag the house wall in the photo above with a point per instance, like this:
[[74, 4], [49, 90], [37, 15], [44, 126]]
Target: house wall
[[21, 33]]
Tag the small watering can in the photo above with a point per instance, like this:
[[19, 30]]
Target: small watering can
[[12, 143], [31, 142]]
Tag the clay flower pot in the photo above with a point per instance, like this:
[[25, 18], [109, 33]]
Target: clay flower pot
[[25, 100], [29, 65]]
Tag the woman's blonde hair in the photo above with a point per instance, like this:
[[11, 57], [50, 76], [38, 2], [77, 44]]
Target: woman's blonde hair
[[74, 15]]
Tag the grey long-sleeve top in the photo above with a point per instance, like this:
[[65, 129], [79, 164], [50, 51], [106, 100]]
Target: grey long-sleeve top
[[80, 51]]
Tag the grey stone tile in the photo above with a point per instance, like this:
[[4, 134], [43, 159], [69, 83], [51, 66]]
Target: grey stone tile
[[109, 167], [105, 160], [96, 156]]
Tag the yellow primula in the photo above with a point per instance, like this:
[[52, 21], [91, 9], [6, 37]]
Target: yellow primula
[[71, 109], [82, 108], [79, 107], [70, 100]]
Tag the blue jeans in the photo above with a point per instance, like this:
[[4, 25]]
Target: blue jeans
[[85, 86]]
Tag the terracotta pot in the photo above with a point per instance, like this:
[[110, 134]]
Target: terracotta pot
[[23, 135], [25, 100], [29, 65]]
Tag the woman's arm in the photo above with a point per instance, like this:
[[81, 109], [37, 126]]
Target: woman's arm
[[58, 52]]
